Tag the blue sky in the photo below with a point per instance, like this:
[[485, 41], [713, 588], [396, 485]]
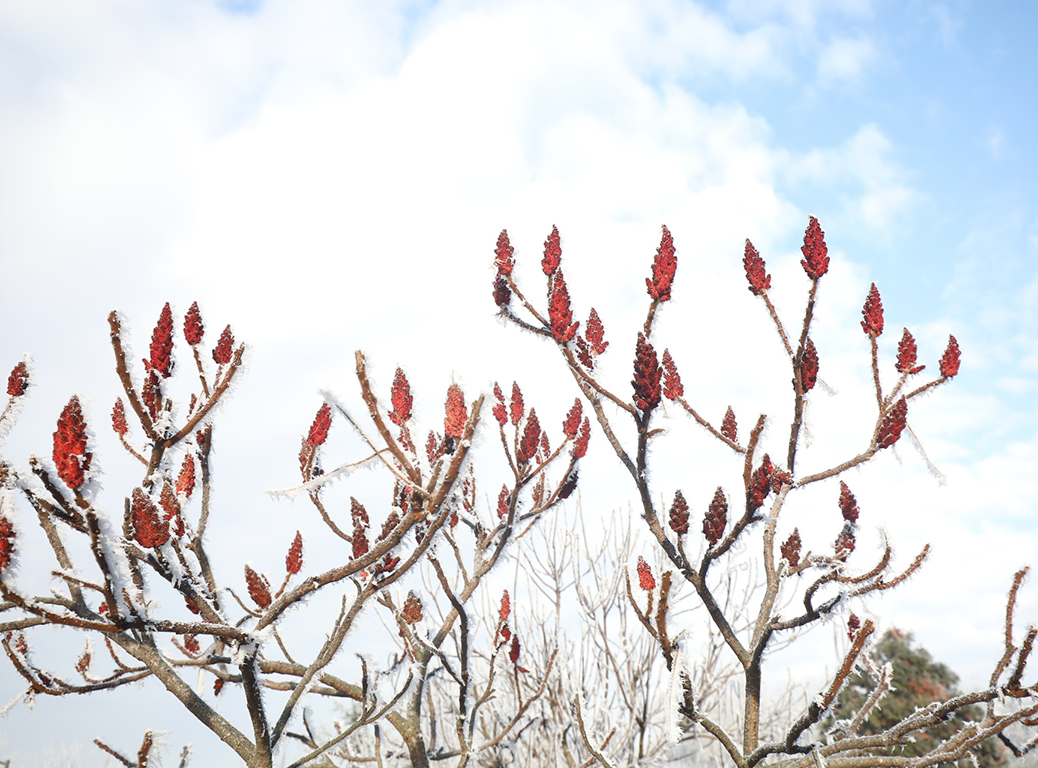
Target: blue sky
[[332, 176]]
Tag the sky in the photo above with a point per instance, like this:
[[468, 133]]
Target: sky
[[333, 176]]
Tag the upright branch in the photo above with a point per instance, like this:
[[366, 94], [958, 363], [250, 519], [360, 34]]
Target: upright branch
[[824, 580]]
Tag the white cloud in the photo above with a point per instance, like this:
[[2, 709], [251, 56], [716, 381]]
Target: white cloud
[[844, 60]]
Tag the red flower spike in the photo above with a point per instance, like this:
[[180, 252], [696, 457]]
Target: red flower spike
[[531, 437], [259, 588], [809, 366], [873, 313], [187, 601], [502, 503], [645, 577], [224, 347], [148, 529], [664, 265], [70, 445], [950, 359], [434, 447], [848, 504], [845, 542], [502, 293], [294, 558], [563, 329], [907, 354], [506, 607], [791, 549], [728, 426], [584, 354], [758, 278], [893, 424], [545, 445], [572, 423], [595, 333], [119, 418], [319, 429], [150, 394], [552, 253], [360, 542], [191, 644], [500, 411], [513, 653], [170, 505], [815, 261], [679, 514], [583, 438], [412, 610], [504, 260], [194, 330], [506, 633], [7, 537], [400, 396], [672, 386], [569, 484], [455, 412], [716, 518], [392, 521], [358, 513], [760, 483], [161, 359], [186, 478], [18, 381], [217, 686], [517, 405], [853, 625], [647, 374]]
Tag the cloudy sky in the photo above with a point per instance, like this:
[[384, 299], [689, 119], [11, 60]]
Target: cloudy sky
[[332, 176]]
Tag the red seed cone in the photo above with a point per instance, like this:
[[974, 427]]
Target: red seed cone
[[7, 537], [455, 412], [679, 514], [161, 359], [552, 252], [18, 381], [950, 359], [583, 438], [872, 313], [186, 478], [815, 261], [756, 273], [294, 558], [560, 316], [907, 353], [645, 578], [149, 529], [194, 329], [893, 424], [224, 348], [791, 549], [504, 260], [595, 333], [70, 453], [809, 366], [672, 386], [259, 588], [400, 396], [728, 426], [848, 504], [664, 265], [571, 425], [319, 429], [119, 418], [500, 409], [517, 407], [716, 518], [647, 375], [531, 438]]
